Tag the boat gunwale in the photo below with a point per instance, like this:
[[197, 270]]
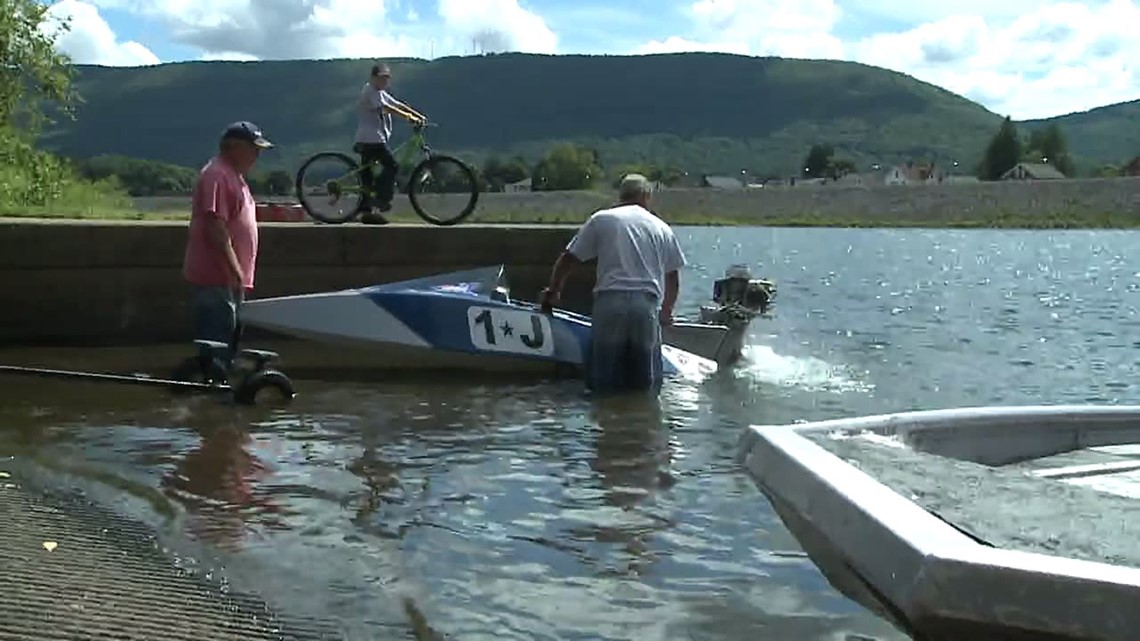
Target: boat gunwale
[[923, 569]]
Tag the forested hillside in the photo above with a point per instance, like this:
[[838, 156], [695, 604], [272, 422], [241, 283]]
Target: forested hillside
[[705, 113]]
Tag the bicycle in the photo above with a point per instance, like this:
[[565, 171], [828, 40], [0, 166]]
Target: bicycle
[[349, 182]]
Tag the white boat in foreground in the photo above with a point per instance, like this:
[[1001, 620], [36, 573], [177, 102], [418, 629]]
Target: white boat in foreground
[[962, 523], [467, 320]]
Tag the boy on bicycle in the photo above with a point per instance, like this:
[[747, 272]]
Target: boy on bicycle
[[373, 130]]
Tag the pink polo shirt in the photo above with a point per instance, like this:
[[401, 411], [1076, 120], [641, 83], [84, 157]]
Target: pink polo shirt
[[223, 193]]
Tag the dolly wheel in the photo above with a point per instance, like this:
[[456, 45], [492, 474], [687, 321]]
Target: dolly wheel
[[246, 393]]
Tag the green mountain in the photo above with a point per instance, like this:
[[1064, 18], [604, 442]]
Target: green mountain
[[1107, 135], [704, 113]]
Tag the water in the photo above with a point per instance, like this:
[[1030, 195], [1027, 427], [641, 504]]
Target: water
[[523, 511]]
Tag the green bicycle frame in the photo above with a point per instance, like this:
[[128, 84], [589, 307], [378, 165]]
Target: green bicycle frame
[[404, 155]]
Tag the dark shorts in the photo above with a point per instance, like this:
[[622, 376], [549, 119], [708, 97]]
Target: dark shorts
[[217, 314], [625, 351]]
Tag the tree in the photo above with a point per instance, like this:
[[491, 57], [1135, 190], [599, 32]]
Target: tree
[[566, 166], [818, 160], [498, 173], [1108, 171], [144, 177], [32, 70], [278, 182], [841, 167], [1048, 145], [34, 75], [1002, 154]]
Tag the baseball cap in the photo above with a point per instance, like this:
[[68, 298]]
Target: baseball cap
[[247, 131]]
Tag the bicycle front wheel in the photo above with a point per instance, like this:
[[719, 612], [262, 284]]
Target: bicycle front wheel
[[328, 187], [443, 190]]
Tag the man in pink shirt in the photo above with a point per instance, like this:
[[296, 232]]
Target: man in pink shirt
[[221, 250]]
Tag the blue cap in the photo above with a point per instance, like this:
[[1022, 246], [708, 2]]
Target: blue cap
[[247, 131]]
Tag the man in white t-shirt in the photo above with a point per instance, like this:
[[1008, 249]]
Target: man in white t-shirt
[[375, 107], [637, 280]]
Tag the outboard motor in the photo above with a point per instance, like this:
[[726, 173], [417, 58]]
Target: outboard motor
[[738, 288]]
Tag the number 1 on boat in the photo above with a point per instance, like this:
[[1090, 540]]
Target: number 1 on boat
[[495, 329]]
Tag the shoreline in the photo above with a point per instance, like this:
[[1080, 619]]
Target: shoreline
[[1122, 221], [1095, 203]]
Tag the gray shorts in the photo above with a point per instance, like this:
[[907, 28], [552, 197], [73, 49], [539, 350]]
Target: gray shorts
[[625, 354]]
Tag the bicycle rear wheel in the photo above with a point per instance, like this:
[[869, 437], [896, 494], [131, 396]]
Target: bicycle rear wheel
[[328, 187], [443, 190]]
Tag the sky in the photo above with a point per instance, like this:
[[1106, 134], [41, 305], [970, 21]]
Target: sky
[[1022, 58]]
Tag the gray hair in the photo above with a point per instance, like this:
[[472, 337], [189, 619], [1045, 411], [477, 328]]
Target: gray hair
[[634, 186]]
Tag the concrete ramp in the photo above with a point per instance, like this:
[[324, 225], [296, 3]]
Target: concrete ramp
[[73, 570]]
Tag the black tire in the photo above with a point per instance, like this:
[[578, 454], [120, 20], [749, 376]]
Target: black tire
[[246, 392], [348, 213], [414, 182]]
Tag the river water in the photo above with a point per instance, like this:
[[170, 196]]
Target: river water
[[523, 511]]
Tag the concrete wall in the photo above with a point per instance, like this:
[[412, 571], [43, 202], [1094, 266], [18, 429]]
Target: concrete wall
[[97, 283]]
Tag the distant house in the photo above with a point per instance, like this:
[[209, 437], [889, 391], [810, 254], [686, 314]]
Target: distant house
[[1032, 171], [912, 174], [722, 182], [1132, 168], [520, 186]]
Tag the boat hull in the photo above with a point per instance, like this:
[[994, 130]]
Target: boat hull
[[442, 325]]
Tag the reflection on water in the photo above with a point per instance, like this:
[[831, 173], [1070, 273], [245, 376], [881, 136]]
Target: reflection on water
[[217, 482], [516, 509]]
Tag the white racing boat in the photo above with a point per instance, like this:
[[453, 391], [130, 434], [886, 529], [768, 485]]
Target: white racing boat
[[467, 320]]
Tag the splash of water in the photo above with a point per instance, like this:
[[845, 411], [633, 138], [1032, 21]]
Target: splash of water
[[762, 364]]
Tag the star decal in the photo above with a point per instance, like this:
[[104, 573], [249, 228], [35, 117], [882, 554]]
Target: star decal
[[507, 329]]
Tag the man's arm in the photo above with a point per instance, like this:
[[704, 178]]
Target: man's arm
[[221, 237], [562, 267], [391, 103], [675, 260], [672, 287], [213, 203], [580, 249]]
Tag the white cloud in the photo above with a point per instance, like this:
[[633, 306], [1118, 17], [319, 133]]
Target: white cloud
[[283, 29], [1058, 58], [90, 40], [498, 25], [788, 28], [1028, 59]]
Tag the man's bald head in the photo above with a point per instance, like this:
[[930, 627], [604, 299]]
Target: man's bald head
[[635, 188]]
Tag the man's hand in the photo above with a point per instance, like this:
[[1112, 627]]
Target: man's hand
[[666, 316], [235, 278], [546, 300]]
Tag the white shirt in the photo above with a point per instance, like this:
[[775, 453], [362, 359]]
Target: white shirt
[[634, 248], [373, 126]]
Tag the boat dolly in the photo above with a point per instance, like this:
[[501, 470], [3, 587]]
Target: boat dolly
[[203, 373]]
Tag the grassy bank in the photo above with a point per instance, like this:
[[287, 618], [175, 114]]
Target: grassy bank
[[36, 183], [1062, 204]]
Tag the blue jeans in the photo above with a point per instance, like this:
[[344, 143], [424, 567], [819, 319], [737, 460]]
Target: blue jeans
[[217, 316], [625, 350]]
